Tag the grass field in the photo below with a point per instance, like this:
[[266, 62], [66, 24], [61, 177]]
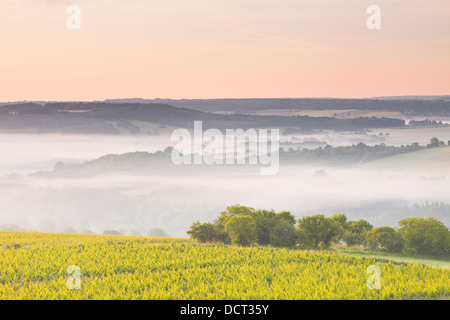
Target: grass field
[[34, 266], [359, 252], [433, 161]]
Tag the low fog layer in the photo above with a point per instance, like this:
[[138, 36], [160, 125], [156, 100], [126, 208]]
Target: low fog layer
[[172, 199], [25, 153]]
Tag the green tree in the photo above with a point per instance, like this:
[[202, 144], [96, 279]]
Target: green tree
[[356, 232], [283, 234], [311, 227], [287, 216], [303, 241], [319, 231], [350, 238], [341, 219], [385, 237], [426, 236], [233, 211], [333, 232], [265, 221], [242, 230]]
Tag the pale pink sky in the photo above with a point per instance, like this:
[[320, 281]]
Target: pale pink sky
[[222, 49]]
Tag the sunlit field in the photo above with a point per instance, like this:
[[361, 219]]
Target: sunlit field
[[35, 265]]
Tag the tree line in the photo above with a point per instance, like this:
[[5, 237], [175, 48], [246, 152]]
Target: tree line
[[356, 153], [244, 226], [438, 106]]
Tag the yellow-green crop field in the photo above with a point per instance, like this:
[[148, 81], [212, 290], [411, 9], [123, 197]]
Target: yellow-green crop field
[[34, 266]]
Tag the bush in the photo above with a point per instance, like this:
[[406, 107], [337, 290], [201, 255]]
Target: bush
[[203, 232]]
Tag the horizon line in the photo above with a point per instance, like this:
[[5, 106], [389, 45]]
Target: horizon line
[[254, 98]]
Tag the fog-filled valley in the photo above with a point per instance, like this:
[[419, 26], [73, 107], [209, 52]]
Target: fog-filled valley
[[64, 183]]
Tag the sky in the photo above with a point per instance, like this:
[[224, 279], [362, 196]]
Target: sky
[[222, 49]]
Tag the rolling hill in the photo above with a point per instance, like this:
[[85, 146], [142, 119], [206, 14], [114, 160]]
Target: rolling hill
[[113, 118], [431, 161]]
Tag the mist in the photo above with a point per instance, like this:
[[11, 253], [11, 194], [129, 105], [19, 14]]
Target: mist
[[25, 153], [173, 198]]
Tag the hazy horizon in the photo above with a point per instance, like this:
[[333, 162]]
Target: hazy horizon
[[237, 98]]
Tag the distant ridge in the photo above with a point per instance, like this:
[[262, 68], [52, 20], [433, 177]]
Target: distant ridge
[[408, 105], [159, 100], [115, 118], [426, 98], [233, 100]]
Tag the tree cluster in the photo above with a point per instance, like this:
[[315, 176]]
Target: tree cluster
[[356, 153], [240, 225]]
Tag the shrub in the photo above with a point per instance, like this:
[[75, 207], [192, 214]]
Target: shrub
[[203, 232]]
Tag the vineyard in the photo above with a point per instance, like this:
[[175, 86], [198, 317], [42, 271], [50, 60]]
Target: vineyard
[[35, 265]]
